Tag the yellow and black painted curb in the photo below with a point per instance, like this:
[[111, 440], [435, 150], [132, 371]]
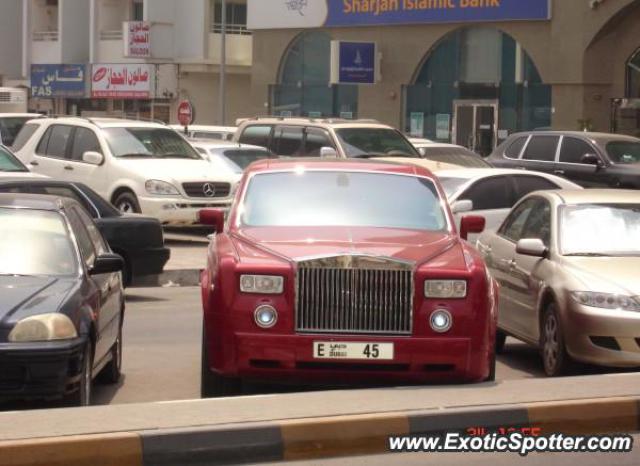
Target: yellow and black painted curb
[[312, 438]]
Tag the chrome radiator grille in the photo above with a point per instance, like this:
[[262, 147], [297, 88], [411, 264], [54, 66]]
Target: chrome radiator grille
[[361, 299]]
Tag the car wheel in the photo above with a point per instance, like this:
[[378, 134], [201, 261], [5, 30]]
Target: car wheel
[[555, 358], [501, 339], [112, 372], [127, 203], [213, 385], [82, 396]]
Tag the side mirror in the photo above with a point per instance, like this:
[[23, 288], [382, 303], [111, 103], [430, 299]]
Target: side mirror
[[107, 263], [464, 205], [212, 217], [328, 152], [591, 159], [92, 157], [422, 151], [531, 247], [471, 224]]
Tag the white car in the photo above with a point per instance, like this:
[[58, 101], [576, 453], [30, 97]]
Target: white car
[[224, 133], [491, 192], [140, 167], [230, 156]]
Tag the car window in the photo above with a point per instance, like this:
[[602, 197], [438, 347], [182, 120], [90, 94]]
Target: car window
[[10, 163], [87, 250], [84, 140], [24, 135], [257, 135], [573, 149], [490, 193], [456, 156], [541, 148], [96, 237], [526, 184], [287, 141], [514, 223], [244, 157], [60, 191], [538, 224], [357, 142], [10, 127], [624, 151], [316, 139], [57, 137], [514, 149], [148, 143], [207, 135]]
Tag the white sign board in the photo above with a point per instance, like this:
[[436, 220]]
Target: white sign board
[[136, 39], [122, 81]]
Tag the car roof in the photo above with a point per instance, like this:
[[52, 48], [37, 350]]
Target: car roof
[[596, 196], [21, 115], [472, 173], [104, 122], [336, 123], [592, 135], [34, 201], [215, 129], [217, 143], [337, 164]]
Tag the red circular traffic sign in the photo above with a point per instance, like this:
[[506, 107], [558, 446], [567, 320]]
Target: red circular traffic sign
[[186, 113]]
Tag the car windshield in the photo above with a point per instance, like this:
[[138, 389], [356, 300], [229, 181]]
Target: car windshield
[[624, 151], [455, 156], [451, 185], [10, 163], [244, 157], [35, 242], [336, 198], [600, 230], [222, 162], [358, 142], [154, 143]]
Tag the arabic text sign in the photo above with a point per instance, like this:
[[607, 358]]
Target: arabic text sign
[[277, 14], [122, 81], [355, 62], [51, 81], [137, 39]]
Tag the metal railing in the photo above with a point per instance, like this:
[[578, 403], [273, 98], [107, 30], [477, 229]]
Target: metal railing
[[45, 36], [239, 29], [111, 34]]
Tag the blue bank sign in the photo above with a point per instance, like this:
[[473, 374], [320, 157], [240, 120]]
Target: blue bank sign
[[353, 62], [278, 14], [51, 81]]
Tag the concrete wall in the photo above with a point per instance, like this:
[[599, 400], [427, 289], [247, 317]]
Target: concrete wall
[[11, 43], [112, 13]]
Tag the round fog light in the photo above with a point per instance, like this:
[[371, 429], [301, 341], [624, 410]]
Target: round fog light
[[265, 316], [441, 320]]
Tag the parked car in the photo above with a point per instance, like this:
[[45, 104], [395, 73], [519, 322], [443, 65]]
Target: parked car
[[492, 192], [343, 271], [61, 300], [588, 159], [568, 264], [230, 156], [11, 166], [139, 167], [11, 124], [452, 154], [311, 137], [223, 133], [138, 239]]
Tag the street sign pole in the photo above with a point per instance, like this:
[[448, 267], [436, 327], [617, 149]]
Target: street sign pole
[[223, 61]]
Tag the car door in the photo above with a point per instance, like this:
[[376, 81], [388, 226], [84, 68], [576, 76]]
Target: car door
[[75, 169], [571, 166], [540, 153], [492, 199], [50, 155]]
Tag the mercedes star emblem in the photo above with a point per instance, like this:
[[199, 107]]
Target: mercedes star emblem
[[209, 190]]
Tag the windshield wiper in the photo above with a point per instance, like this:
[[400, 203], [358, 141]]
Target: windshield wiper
[[176, 155], [133, 155], [587, 254]]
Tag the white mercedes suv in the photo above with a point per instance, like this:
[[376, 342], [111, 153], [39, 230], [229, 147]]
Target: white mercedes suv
[[139, 166]]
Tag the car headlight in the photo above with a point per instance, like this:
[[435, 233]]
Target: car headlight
[[161, 188], [44, 327], [607, 300], [447, 289], [264, 284]]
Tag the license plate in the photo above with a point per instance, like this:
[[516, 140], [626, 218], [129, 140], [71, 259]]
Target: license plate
[[347, 350]]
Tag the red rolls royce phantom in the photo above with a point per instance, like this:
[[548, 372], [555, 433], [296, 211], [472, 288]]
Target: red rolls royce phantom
[[343, 271]]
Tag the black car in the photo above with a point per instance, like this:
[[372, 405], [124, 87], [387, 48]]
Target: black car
[[139, 240], [588, 159], [61, 300]]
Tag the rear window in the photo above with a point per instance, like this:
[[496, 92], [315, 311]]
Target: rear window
[[10, 127], [256, 135], [514, 149]]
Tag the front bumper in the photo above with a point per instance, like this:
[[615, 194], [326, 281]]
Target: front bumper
[[603, 336], [290, 358], [41, 370], [177, 211]]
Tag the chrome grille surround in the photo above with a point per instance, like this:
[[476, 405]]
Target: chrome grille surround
[[354, 294]]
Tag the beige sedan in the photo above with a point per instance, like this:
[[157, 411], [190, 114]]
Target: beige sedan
[[568, 264]]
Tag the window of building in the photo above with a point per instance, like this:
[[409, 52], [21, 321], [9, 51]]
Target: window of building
[[137, 10], [236, 17], [633, 75]]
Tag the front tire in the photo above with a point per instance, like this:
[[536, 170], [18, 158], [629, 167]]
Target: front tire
[[82, 396], [555, 358], [212, 384], [127, 203]]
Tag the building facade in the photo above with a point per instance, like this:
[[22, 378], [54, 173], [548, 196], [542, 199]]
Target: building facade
[[465, 71], [135, 58]]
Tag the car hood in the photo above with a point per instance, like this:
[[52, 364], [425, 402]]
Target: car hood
[[22, 297], [607, 274], [175, 170], [298, 243]]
